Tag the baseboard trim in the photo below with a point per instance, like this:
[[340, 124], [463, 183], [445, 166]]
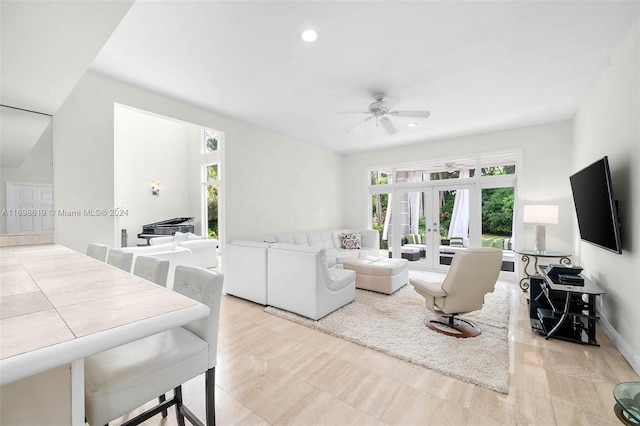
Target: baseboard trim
[[627, 352]]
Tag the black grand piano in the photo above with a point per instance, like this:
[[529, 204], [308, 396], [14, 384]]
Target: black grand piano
[[166, 227]]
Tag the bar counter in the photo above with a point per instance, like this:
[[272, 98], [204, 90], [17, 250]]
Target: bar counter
[[58, 306]]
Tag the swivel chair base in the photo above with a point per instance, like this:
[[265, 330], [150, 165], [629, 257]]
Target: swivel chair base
[[456, 327]]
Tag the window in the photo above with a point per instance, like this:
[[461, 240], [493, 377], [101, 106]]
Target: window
[[468, 202], [380, 177], [211, 181], [458, 169], [498, 165], [210, 139]]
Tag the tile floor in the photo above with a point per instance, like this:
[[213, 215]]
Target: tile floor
[[272, 371]]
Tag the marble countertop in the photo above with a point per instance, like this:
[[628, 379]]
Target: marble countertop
[[58, 306]]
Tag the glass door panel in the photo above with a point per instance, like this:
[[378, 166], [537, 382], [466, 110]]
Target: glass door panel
[[415, 236], [454, 217], [381, 219], [497, 222]]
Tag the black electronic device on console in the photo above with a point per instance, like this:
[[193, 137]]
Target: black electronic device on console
[[556, 269], [570, 279]]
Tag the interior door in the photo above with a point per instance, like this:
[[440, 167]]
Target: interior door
[[29, 208]]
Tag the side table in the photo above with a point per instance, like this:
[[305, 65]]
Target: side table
[[525, 282], [627, 408]]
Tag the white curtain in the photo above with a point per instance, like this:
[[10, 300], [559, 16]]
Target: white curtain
[[414, 203], [387, 218], [459, 226]]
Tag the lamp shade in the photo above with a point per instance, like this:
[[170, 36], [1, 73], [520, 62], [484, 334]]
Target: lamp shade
[[541, 214]]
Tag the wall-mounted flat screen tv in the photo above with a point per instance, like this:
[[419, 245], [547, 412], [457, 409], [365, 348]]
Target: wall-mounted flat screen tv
[[596, 207]]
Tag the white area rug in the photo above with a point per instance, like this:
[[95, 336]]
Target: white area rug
[[393, 325]]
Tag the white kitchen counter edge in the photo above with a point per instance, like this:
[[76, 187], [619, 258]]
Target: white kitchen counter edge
[[37, 361]]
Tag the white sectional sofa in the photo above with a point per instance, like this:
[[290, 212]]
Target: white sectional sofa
[[252, 272], [300, 281]]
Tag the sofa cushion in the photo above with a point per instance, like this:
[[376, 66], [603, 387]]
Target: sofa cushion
[[340, 255], [377, 266], [285, 238], [456, 241], [340, 278], [322, 239], [350, 241]]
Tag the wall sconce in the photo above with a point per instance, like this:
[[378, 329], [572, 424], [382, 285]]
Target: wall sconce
[[540, 215], [155, 188]]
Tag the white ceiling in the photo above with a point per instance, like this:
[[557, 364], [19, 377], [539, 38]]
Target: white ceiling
[[477, 66], [48, 45], [45, 48]]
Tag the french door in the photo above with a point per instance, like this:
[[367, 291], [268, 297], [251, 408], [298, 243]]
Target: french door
[[433, 222]]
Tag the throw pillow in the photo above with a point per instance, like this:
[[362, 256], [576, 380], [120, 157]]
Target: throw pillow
[[410, 239], [498, 243], [350, 241], [487, 242]]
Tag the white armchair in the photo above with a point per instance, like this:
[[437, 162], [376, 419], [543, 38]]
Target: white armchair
[[301, 282], [473, 274], [204, 250]]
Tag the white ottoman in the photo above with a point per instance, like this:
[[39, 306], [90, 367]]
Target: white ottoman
[[379, 274]]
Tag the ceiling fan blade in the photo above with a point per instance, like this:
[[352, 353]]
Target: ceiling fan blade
[[352, 127], [354, 112], [387, 125], [413, 114]]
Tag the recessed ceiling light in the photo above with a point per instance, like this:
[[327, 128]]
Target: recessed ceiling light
[[310, 36], [412, 124]]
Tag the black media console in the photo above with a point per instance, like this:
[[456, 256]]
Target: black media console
[[563, 311]]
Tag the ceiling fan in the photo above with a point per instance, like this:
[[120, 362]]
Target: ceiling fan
[[380, 110], [452, 166]]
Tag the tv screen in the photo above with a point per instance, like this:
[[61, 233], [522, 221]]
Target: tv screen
[[596, 207]]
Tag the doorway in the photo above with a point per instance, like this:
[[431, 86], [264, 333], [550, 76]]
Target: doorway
[[434, 222]]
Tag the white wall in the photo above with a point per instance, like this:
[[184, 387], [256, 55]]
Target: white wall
[[608, 123], [148, 147], [273, 183], [544, 177], [36, 168], [194, 135]]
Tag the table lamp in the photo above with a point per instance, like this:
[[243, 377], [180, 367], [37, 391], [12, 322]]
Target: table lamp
[[540, 215]]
